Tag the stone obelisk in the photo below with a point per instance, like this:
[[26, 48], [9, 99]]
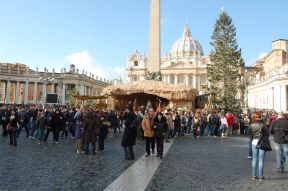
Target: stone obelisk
[[154, 37]]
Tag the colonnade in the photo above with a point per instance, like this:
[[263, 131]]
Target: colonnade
[[35, 92], [191, 80]]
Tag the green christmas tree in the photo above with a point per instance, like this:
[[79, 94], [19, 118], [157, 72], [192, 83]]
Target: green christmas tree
[[224, 71]]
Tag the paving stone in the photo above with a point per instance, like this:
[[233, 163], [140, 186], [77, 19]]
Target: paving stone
[[30, 166], [213, 164]]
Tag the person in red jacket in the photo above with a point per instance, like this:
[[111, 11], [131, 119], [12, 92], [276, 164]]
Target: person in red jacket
[[230, 121]]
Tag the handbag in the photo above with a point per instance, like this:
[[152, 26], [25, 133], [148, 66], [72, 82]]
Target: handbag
[[264, 143], [9, 127], [286, 135]]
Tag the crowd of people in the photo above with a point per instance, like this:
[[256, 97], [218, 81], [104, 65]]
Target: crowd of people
[[89, 125]]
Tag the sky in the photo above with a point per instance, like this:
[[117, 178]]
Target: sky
[[98, 35]]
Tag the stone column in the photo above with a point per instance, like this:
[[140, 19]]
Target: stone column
[[7, 97], [283, 100], [186, 80], [63, 94], [35, 93], [53, 88], [199, 81], [44, 94], [194, 81], [176, 79], [168, 79], [26, 92], [164, 78], [81, 90], [17, 93]]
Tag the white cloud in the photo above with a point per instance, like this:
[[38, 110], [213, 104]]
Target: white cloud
[[262, 55], [252, 61], [82, 59], [85, 62]]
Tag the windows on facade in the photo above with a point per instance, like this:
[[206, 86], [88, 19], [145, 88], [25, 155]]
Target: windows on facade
[[136, 63]]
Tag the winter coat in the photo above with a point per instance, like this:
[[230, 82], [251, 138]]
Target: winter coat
[[160, 127], [41, 123], [79, 127], [103, 128], [90, 128], [12, 120], [130, 131], [255, 130], [279, 128], [56, 122], [147, 126], [169, 121]]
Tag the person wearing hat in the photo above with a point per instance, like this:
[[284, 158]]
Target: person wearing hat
[[258, 158]]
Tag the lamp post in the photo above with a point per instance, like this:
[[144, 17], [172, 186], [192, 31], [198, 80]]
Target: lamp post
[[45, 79]]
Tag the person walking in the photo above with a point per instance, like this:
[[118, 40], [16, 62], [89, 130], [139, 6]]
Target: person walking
[[23, 122], [90, 132], [160, 128], [258, 159], [230, 120], [41, 125], [79, 132], [223, 124], [148, 128], [103, 126], [130, 133], [4, 114], [11, 127], [56, 125], [279, 129], [169, 132]]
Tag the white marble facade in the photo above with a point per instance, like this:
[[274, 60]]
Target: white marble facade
[[185, 64], [267, 79], [21, 85]]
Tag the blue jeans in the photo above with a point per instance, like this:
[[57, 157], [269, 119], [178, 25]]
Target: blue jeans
[[281, 154], [258, 160], [212, 130], [223, 128], [246, 130], [32, 127], [129, 153], [250, 148], [41, 133]]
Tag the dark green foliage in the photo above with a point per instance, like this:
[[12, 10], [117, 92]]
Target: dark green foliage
[[224, 70]]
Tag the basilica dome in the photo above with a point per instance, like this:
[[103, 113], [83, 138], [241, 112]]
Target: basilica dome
[[186, 44]]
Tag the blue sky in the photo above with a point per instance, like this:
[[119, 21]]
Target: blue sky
[[98, 35]]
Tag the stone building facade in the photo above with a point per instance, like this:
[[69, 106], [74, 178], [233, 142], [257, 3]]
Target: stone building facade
[[185, 64], [267, 79], [21, 85]]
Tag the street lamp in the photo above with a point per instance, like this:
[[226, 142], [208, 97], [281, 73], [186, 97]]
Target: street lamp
[[45, 79]]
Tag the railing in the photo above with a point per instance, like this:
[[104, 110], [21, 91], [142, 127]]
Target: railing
[[271, 74]]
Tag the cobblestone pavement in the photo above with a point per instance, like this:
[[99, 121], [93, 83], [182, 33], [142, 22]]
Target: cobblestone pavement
[[30, 166], [214, 164]]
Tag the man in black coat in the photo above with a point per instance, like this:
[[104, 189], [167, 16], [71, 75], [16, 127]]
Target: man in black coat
[[279, 129], [130, 133]]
